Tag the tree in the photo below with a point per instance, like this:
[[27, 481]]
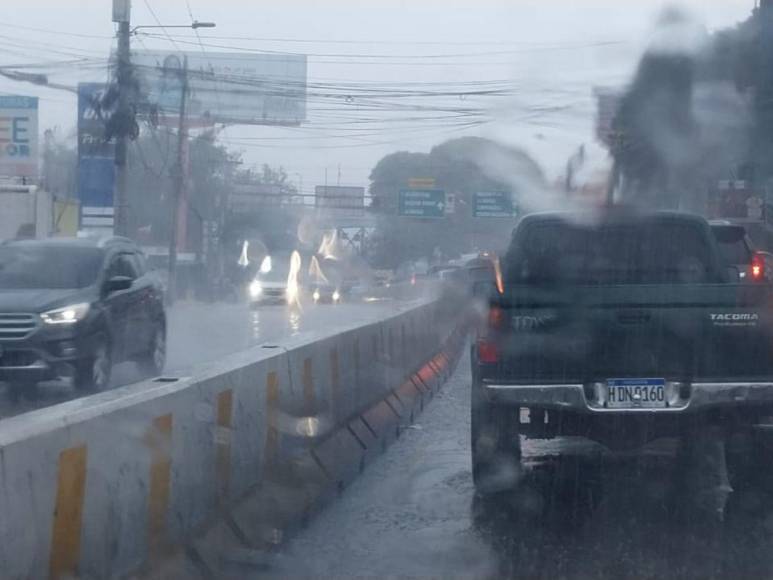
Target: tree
[[60, 166], [685, 122], [274, 222], [460, 167], [391, 174], [152, 182]]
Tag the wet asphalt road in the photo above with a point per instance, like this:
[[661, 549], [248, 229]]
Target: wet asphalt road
[[199, 334], [588, 514]]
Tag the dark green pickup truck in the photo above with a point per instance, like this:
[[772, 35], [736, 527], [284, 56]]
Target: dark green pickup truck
[[621, 329]]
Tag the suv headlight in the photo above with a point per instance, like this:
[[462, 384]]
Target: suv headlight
[[66, 315]]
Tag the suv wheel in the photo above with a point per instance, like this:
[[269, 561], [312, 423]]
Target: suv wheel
[[152, 362], [93, 373], [496, 446]]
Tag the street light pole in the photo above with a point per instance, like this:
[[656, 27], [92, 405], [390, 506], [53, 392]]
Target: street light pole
[[122, 15], [120, 201], [180, 185]]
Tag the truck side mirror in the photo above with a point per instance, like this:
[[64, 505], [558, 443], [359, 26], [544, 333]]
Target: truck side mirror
[[733, 274]]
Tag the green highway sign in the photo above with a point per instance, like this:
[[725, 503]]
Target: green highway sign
[[422, 203], [493, 204]]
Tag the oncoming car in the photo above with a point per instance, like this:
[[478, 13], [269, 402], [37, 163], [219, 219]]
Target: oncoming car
[[271, 284], [326, 293], [75, 308]]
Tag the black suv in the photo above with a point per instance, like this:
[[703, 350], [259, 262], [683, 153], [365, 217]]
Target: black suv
[[74, 308]]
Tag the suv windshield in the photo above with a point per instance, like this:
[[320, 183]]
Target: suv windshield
[[48, 267], [279, 272], [650, 253]]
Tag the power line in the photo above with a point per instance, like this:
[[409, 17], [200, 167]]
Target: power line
[[49, 31], [403, 56], [158, 22], [400, 42]]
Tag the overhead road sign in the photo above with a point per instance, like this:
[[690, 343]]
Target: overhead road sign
[[493, 204], [422, 203]]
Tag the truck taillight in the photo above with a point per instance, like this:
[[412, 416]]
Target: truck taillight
[[496, 317], [487, 352], [758, 268]]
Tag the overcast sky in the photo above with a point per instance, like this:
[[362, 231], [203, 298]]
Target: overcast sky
[[548, 53]]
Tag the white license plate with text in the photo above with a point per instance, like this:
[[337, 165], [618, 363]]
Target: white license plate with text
[[636, 393]]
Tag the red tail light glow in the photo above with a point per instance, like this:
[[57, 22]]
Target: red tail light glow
[[757, 269], [487, 352], [496, 317]]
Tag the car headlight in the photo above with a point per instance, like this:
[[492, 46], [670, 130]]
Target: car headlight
[[336, 296], [66, 315], [256, 288], [316, 295]]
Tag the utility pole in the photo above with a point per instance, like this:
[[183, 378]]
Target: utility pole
[[122, 15], [180, 185]]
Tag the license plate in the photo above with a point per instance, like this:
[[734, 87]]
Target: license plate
[[636, 393]]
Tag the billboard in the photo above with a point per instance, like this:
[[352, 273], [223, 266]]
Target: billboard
[[253, 197], [96, 160], [233, 88], [348, 200], [18, 136]]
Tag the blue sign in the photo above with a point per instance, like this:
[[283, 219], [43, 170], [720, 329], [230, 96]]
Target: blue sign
[[493, 204], [96, 156], [96, 179], [422, 203]]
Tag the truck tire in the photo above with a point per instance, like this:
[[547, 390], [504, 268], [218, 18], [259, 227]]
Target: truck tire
[[92, 374], [495, 446], [746, 452]]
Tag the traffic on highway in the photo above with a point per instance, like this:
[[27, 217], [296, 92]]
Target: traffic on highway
[[386, 291]]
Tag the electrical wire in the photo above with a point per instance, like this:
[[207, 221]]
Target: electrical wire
[[405, 56], [49, 31], [158, 22]]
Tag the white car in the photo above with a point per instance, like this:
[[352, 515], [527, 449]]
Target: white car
[[269, 286]]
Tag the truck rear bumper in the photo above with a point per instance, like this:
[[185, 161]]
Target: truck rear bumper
[[693, 397]]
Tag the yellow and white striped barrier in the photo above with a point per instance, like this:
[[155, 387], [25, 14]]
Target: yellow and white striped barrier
[[110, 485]]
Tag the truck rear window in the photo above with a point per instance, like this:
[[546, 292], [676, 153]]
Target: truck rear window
[[626, 253]]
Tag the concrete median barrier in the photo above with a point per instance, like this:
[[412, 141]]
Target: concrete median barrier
[[133, 480]]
